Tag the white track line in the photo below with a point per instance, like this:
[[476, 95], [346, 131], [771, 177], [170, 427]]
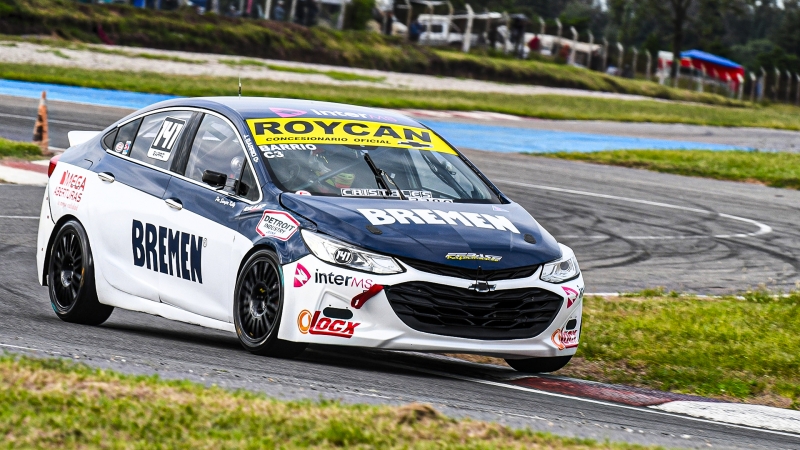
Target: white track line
[[587, 400], [19, 217], [762, 228]]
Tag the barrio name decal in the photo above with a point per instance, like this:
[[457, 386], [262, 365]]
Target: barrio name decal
[[437, 217], [345, 132]]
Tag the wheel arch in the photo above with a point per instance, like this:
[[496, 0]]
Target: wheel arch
[[56, 228]]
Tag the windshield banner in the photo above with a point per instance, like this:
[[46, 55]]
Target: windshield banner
[[344, 132]]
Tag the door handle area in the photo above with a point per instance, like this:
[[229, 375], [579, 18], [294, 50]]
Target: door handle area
[[174, 203], [105, 176]]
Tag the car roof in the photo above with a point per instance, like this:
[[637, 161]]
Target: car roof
[[269, 107]]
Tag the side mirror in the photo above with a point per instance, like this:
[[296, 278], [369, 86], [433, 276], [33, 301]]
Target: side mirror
[[215, 179]]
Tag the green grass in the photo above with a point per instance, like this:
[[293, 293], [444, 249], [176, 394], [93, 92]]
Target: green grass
[[542, 106], [154, 56], [21, 150], [771, 169], [747, 349], [334, 74], [51, 403], [185, 30]]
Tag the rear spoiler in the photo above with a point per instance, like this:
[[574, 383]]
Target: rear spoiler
[[79, 137]]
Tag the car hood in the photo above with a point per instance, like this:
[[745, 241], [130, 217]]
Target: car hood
[[348, 219]]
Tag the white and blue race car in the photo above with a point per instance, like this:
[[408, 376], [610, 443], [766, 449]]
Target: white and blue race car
[[296, 222]]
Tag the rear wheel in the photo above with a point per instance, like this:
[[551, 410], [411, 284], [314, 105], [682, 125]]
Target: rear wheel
[[539, 365], [258, 306], [70, 278]]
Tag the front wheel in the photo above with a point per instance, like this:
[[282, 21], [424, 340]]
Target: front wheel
[[258, 306], [70, 278], [539, 365]]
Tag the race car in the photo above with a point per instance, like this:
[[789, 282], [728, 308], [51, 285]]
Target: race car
[[297, 222]]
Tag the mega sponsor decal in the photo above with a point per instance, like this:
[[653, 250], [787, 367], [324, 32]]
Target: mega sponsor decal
[[301, 276], [346, 132], [309, 323], [277, 224], [472, 257], [168, 251], [69, 190], [342, 280], [564, 339], [437, 217], [166, 138], [572, 295]]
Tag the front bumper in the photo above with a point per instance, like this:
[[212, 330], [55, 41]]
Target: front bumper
[[320, 294]]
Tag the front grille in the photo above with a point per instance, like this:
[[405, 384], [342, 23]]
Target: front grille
[[458, 312], [472, 274]]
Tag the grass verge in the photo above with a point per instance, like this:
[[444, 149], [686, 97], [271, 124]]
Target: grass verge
[[56, 404], [334, 74], [542, 106], [733, 348], [21, 150], [772, 169], [185, 30]]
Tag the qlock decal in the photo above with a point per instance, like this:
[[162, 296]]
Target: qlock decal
[[345, 132], [166, 138], [309, 323], [564, 339], [277, 224]]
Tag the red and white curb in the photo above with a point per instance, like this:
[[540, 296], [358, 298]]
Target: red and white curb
[[24, 172]]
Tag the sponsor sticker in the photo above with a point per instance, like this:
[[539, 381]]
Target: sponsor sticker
[[286, 147], [438, 217], [419, 196], [168, 251], [309, 323], [564, 339], [345, 132], [287, 112], [301, 276], [342, 280], [277, 224], [118, 148], [572, 295], [303, 193], [472, 257], [69, 190], [166, 138], [254, 207], [127, 148]]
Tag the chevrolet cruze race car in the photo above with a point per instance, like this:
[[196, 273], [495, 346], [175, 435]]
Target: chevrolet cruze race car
[[296, 222]]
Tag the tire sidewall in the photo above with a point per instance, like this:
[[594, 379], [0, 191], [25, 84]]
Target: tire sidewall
[[268, 341], [87, 280]]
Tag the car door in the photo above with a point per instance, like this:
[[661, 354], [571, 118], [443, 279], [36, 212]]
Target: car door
[[205, 216], [126, 218]]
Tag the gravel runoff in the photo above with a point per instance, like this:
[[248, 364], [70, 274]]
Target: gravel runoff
[[24, 52]]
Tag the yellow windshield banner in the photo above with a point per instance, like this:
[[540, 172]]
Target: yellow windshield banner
[[344, 132]]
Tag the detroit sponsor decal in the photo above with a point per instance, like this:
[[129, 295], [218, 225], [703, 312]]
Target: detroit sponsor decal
[[69, 190], [277, 224], [438, 217], [309, 323]]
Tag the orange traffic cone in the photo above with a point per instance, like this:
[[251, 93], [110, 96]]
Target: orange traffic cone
[[40, 135]]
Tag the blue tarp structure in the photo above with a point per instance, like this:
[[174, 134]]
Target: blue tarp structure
[[709, 58]]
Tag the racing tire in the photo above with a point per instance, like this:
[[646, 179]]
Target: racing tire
[[258, 307], [539, 365], [70, 278]]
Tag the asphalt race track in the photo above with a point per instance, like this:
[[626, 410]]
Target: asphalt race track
[[630, 229]]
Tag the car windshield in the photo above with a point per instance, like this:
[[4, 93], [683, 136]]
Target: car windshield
[[345, 170]]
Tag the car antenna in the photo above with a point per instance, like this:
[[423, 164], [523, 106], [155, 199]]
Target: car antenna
[[240, 85]]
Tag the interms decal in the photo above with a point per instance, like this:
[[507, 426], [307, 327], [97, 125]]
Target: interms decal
[[301, 276]]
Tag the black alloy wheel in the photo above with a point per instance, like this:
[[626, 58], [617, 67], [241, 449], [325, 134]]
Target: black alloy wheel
[[258, 306], [70, 278], [539, 365]]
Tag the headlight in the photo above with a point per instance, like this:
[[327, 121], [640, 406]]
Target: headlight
[[343, 254], [560, 271]]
